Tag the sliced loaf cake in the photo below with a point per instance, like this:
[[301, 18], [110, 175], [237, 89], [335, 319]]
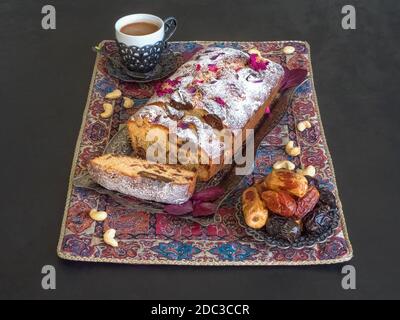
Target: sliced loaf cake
[[142, 179]]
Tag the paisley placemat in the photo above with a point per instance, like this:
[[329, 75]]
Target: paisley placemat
[[146, 238]]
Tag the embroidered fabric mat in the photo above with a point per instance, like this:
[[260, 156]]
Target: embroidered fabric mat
[[161, 239]]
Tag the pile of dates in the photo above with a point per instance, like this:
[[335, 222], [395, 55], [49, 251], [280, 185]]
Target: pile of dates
[[287, 205]]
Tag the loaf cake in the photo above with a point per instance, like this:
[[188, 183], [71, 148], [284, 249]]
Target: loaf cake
[[220, 88], [142, 179]]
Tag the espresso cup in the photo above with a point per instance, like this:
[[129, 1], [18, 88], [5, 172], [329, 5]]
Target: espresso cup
[[141, 53]]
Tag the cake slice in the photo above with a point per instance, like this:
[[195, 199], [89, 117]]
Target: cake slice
[[142, 179]]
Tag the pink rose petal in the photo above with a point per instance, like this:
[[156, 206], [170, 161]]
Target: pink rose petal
[[209, 194], [191, 90], [162, 90], [166, 87], [179, 209], [183, 125], [220, 101], [257, 63], [173, 83], [204, 209], [292, 78], [212, 67]]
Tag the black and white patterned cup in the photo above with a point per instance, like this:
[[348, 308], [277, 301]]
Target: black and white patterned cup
[[142, 53]]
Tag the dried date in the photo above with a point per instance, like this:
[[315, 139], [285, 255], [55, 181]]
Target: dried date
[[292, 182], [279, 202], [318, 220], [213, 121], [181, 106], [283, 228], [307, 203], [328, 198], [325, 195], [254, 212]]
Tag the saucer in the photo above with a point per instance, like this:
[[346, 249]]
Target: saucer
[[166, 66]]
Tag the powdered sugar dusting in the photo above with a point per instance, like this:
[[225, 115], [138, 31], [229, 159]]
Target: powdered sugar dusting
[[219, 81]]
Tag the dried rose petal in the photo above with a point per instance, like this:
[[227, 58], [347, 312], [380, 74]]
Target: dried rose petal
[[257, 63], [268, 110], [198, 67], [212, 67], [179, 209], [220, 101], [166, 87], [191, 90], [204, 209], [162, 90], [292, 78], [209, 194], [183, 125]]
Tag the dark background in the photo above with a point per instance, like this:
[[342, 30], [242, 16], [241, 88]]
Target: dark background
[[43, 88]]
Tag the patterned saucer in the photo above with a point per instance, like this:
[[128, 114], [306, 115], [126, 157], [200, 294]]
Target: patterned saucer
[[167, 65]]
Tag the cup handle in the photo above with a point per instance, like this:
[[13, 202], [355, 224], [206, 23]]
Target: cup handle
[[170, 25]]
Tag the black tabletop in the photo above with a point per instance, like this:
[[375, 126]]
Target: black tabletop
[[45, 76]]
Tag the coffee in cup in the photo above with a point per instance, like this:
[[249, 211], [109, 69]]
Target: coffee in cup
[[139, 28], [141, 39]]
